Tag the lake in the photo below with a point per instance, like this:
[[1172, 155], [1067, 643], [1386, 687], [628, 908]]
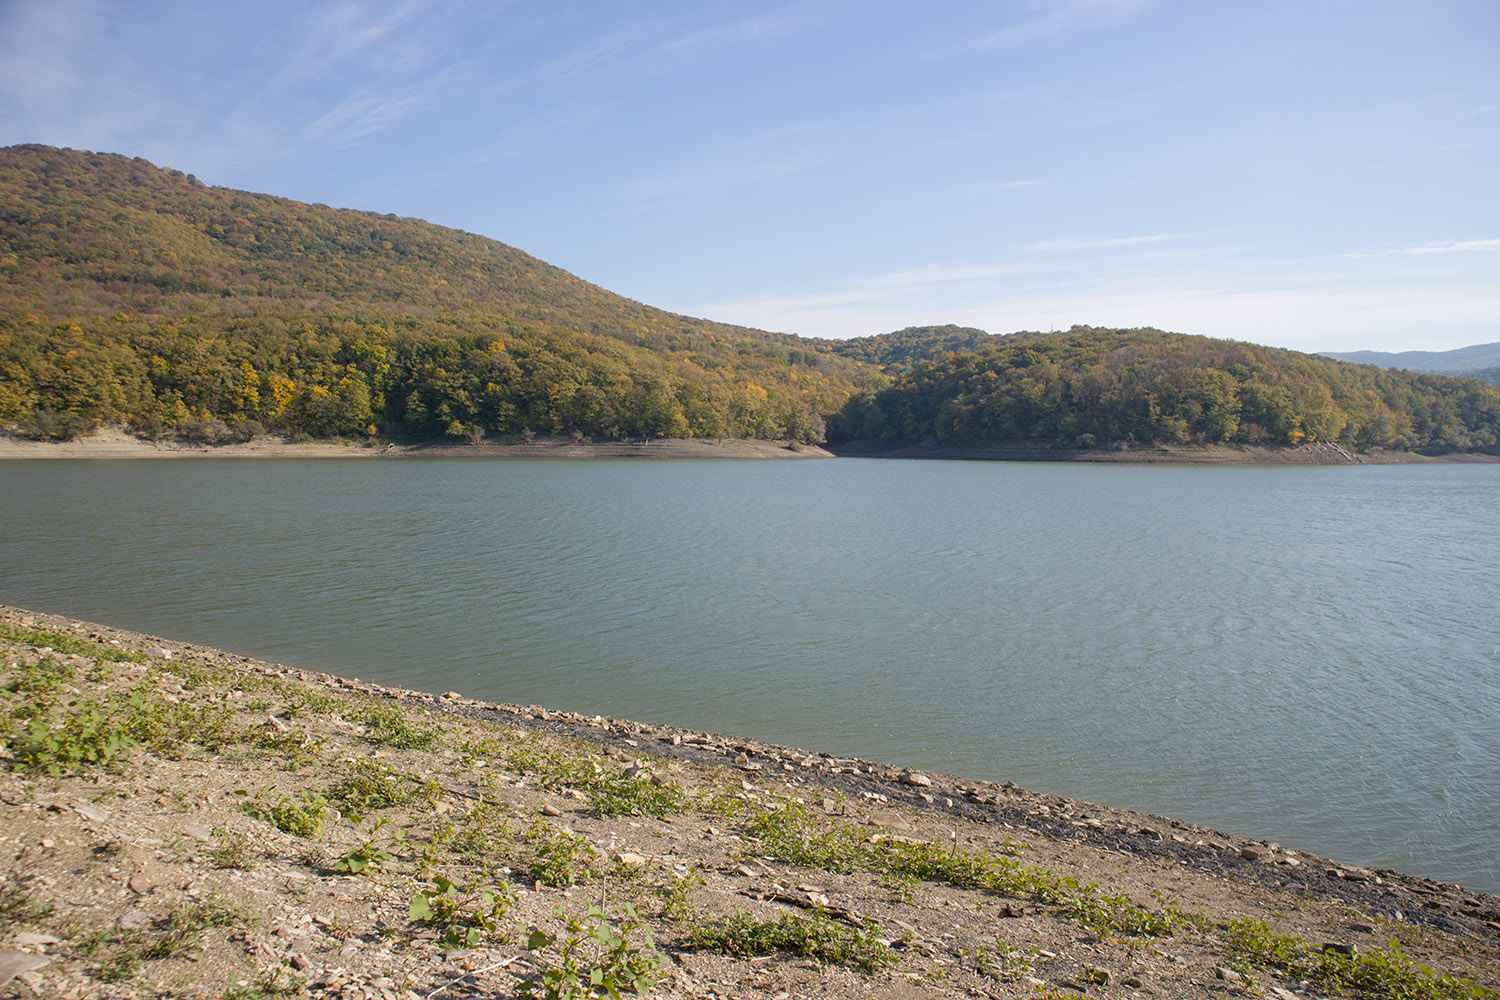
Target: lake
[[1306, 655]]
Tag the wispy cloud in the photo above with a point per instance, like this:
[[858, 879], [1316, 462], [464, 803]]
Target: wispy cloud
[[753, 161], [1110, 243], [1452, 246], [646, 49], [1425, 249], [1052, 18]]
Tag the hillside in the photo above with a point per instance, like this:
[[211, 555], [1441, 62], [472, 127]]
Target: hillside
[[138, 296], [133, 294], [1095, 388]]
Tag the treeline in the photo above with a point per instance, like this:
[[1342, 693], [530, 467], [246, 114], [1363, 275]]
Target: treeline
[[1092, 387], [136, 295], [897, 352]]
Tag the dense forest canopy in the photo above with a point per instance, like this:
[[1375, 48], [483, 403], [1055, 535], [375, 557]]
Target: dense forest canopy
[[135, 295], [1091, 387], [138, 295]]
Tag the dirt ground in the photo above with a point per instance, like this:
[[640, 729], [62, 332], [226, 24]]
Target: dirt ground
[[182, 821]]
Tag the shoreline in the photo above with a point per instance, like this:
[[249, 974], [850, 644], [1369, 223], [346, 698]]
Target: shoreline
[[114, 443], [1164, 885], [1015, 804]]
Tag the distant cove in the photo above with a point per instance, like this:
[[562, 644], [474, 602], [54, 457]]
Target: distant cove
[[1303, 654]]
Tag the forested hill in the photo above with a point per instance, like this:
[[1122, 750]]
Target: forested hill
[[1092, 387], [896, 353], [134, 294]]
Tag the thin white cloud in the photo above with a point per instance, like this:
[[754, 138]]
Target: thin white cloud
[[1110, 243], [1425, 249], [1053, 18], [643, 50], [1452, 246]]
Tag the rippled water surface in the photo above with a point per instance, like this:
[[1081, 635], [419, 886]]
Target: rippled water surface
[[1309, 655]]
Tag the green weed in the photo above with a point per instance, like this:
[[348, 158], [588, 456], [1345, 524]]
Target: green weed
[[303, 819], [814, 936], [463, 920], [1385, 972], [592, 959], [370, 785]]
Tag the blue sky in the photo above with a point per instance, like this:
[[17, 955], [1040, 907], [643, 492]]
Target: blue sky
[[1316, 174]]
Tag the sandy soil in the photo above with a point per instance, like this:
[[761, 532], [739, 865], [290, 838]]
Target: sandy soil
[[114, 443], [270, 831]]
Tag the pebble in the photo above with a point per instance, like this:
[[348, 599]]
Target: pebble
[[133, 920]]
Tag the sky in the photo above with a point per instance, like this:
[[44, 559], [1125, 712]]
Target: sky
[[1313, 174]]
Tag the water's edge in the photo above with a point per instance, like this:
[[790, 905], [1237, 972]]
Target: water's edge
[[1381, 890]]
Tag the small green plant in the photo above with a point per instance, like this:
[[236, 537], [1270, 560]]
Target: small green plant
[[62, 642], [18, 906], [389, 726], [1004, 963], [619, 794], [1107, 914], [1382, 972], [302, 819], [370, 785], [186, 925], [559, 858], [85, 739], [593, 960], [233, 851], [366, 855], [462, 921], [815, 936]]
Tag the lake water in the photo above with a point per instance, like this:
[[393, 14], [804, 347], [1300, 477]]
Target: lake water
[[1308, 655]]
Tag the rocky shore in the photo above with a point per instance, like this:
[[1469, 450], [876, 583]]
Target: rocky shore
[[183, 821]]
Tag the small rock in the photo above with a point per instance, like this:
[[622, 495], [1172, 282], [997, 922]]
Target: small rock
[[31, 939], [299, 962], [140, 885], [746, 871], [1254, 853], [915, 780], [134, 920], [14, 963], [89, 812], [551, 810], [629, 858], [1228, 975], [198, 832], [455, 696], [1339, 948], [741, 759]]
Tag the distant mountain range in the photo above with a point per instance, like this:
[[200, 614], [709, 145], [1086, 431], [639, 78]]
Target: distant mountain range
[[1480, 361]]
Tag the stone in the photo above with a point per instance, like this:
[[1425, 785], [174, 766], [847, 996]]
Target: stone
[[1253, 852], [198, 832], [1228, 975], [140, 885], [299, 962], [30, 939], [915, 780], [14, 963], [133, 920], [551, 810], [89, 812]]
